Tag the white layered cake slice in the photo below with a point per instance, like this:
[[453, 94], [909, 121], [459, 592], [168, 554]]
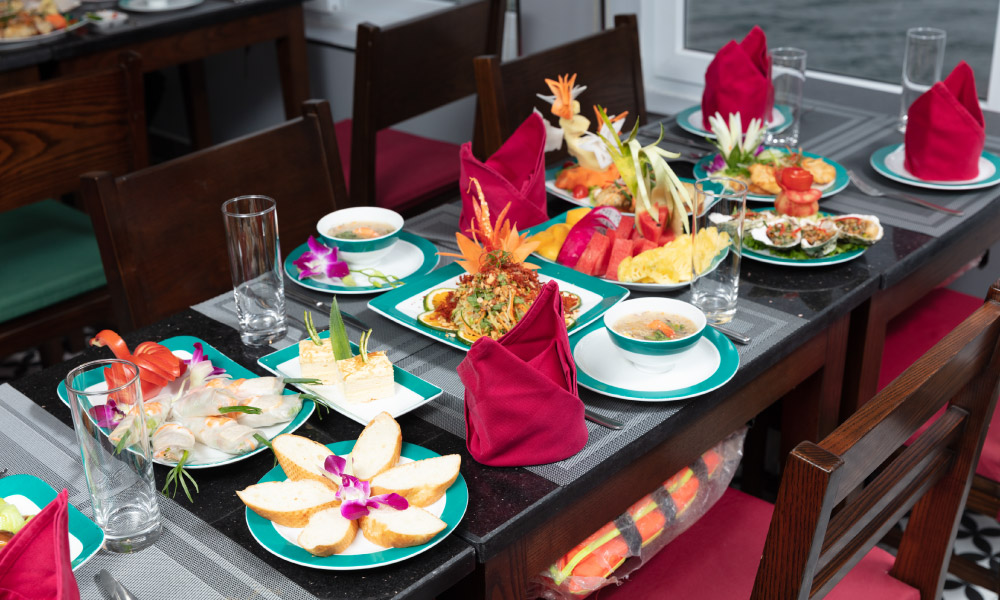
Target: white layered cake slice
[[367, 381], [318, 362]]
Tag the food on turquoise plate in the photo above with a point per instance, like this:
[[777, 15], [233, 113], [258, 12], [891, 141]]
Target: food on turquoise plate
[[11, 522], [654, 326], [782, 233], [352, 231], [632, 327], [819, 238], [28, 19], [360, 230], [860, 229]]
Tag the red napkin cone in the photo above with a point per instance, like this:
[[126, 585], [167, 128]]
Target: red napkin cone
[[521, 403], [738, 80], [945, 131], [36, 563], [515, 173]]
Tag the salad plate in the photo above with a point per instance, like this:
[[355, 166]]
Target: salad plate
[[412, 256], [600, 367], [701, 169], [888, 162], [30, 495], [567, 195], [404, 304], [690, 120], [411, 391], [361, 554], [799, 258], [202, 456]]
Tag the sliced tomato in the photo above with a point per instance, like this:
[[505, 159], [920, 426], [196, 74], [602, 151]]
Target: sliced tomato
[[157, 364], [117, 376], [161, 357], [581, 191], [796, 179], [113, 341]]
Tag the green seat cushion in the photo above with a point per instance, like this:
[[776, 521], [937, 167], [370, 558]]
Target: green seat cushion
[[48, 253]]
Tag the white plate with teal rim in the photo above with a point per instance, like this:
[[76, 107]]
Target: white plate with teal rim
[[797, 258], [361, 554], [201, 456], [411, 391], [404, 304], [600, 367], [567, 195], [412, 256], [888, 162], [838, 184], [30, 495], [690, 121], [156, 5]]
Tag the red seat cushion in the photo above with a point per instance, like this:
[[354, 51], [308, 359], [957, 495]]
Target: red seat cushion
[[408, 168], [719, 555], [915, 331]]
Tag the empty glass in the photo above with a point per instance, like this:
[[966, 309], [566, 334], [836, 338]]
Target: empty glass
[[715, 281], [119, 471], [255, 262], [788, 74], [922, 64]]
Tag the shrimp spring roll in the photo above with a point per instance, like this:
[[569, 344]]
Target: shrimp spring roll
[[274, 409], [156, 413], [203, 402], [247, 389], [171, 440], [222, 433]]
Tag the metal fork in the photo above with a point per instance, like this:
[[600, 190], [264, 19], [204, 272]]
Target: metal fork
[[870, 190]]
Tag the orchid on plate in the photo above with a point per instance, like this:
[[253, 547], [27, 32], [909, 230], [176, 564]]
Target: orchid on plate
[[737, 150], [320, 260], [355, 495], [200, 369], [107, 415]]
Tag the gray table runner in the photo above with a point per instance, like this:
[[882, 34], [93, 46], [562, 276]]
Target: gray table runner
[[191, 559]]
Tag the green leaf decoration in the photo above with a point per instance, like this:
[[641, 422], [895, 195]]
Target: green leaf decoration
[[338, 333], [179, 475]]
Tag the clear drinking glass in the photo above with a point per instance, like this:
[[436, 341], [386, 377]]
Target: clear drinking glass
[[715, 281], [922, 64], [119, 475], [788, 74], [255, 262]]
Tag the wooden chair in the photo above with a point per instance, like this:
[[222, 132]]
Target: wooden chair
[[809, 546], [608, 63], [50, 133], [161, 230], [401, 72]]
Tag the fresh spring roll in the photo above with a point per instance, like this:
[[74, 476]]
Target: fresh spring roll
[[247, 389], [203, 402], [170, 441], [274, 409], [222, 433], [156, 413]]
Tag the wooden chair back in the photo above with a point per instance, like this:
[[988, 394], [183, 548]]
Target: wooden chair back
[[608, 63], [161, 230], [810, 546], [413, 67], [51, 132]]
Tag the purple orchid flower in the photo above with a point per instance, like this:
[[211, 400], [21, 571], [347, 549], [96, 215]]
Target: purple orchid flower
[[718, 163], [107, 416], [320, 260], [355, 495], [198, 356]]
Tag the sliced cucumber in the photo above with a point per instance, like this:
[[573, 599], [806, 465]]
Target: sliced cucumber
[[434, 298], [571, 301], [462, 337], [570, 321], [435, 321]]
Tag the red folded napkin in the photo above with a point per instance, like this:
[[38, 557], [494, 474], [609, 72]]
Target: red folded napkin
[[738, 80], [945, 131], [515, 173], [36, 563], [521, 404]]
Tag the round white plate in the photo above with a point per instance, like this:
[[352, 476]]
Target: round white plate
[[888, 162], [689, 120], [156, 5]]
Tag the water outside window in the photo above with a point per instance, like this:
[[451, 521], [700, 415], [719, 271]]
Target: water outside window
[[856, 38]]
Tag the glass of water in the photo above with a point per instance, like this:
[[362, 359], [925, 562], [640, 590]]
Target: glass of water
[[114, 446], [922, 64], [255, 262], [717, 230], [788, 74]]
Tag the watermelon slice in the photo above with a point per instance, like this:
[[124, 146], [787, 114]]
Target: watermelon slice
[[619, 250], [592, 255], [650, 229], [625, 228], [602, 263], [641, 246], [666, 236], [664, 215]]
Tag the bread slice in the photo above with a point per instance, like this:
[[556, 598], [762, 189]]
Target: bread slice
[[377, 448], [393, 528], [328, 532], [421, 482], [288, 503], [302, 458]]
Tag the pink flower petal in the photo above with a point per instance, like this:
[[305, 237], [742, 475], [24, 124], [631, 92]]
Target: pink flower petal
[[354, 509], [108, 415], [335, 464], [393, 500]]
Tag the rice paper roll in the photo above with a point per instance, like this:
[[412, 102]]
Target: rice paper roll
[[203, 402], [171, 440], [274, 409], [156, 413], [247, 389], [222, 433]]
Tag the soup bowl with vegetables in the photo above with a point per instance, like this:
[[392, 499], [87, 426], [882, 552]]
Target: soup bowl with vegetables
[[651, 333], [363, 235]]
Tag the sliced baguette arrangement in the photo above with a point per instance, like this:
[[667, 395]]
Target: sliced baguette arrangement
[[308, 499]]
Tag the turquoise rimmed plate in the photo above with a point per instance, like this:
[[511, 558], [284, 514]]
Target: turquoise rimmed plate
[[775, 258], [838, 184], [405, 303], [888, 162], [600, 367], [411, 391], [411, 257], [361, 554], [202, 456], [690, 121], [30, 495]]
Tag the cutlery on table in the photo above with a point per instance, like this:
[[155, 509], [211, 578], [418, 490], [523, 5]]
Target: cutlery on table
[[601, 420], [111, 586], [737, 337], [310, 301], [870, 190], [3, 471]]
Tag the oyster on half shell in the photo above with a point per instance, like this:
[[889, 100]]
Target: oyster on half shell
[[861, 229]]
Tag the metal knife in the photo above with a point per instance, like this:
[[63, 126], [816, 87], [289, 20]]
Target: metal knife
[[111, 586], [603, 421], [348, 317], [737, 337]]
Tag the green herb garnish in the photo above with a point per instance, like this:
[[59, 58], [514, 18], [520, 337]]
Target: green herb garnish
[[311, 329], [338, 333], [178, 475], [265, 442], [247, 410]]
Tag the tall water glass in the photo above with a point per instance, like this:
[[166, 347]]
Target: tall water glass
[[119, 468], [788, 74], [717, 228], [255, 262], [922, 64]]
